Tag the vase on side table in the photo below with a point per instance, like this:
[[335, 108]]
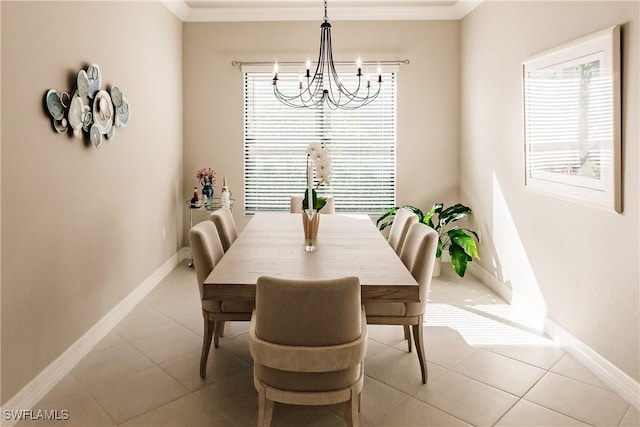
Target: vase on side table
[[207, 194], [310, 224]]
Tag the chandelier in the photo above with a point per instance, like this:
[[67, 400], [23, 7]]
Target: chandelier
[[325, 86]]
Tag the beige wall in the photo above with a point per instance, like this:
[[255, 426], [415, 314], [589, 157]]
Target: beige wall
[[81, 227], [428, 95], [579, 262]]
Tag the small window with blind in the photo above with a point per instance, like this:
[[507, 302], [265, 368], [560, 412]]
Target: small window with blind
[[362, 144]]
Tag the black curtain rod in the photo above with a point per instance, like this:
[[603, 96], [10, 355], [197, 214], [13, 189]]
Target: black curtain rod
[[236, 63]]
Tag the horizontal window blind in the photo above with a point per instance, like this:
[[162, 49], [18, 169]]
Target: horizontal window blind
[[568, 118], [362, 144]]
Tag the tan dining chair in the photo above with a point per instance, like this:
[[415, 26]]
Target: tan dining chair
[[223, 219], [402, 220], [418, 254], [296, 205], [308, 340], [330, 207], [207, 250]]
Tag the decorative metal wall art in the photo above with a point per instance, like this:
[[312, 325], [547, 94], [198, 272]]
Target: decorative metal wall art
[[88, 109]]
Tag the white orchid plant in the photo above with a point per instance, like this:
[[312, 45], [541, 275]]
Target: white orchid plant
[[318, 158]]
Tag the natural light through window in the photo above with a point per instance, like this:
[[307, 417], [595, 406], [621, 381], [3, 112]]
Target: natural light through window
[[513, 267], [362, 144], [485, 325]]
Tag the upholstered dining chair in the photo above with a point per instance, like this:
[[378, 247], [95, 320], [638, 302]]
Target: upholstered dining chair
[[223, 219], [402, 220], [418, 254], [296, 205], [308, 340], [330, 207], [206, 250]]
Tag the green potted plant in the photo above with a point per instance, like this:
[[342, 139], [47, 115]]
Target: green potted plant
[[461, 242]]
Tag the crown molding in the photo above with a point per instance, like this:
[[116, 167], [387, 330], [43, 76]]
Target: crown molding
[[302, 10], [178, 7]]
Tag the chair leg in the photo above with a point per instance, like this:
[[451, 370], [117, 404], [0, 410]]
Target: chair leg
[[209, 326], [222, 330], [261, 406], [268, 412], [216, 334], [407, 336], [352, 412], [419, 341]]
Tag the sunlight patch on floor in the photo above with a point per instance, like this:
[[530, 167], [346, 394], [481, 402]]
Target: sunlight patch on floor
[[485, 325]]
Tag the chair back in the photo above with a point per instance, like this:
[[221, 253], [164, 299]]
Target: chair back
[[330, 206], [206, 250], [308, 313], [224, 222], [296, 204], [419, 255], [308, 341], [402, 220]]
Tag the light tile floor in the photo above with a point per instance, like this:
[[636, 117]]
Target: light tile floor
[[485, 369]]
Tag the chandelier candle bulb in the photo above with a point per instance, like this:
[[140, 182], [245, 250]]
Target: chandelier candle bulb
[[275, 72], [308, 65], [359, 66], [379, 73]]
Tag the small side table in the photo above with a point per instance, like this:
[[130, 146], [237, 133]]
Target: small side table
[[215, 204]]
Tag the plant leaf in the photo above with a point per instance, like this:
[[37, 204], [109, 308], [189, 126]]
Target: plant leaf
[[454, 213], [416, 211], [387, 214], [460, 238], [318, 202], [384, 225], [435, 210], [466, 230], [459, 259]]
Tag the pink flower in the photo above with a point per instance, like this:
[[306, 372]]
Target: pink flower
[[206, 176]]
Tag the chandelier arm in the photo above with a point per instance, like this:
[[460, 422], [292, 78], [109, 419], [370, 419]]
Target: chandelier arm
[[342, 90], [326, 87], [352, 96]]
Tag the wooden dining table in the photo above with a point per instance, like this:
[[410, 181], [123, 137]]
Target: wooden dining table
[[272, 244]]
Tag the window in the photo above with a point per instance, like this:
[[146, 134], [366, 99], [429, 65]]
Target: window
[[362, 144]]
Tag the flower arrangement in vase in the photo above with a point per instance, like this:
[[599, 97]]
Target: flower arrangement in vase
[[318, 158], [207, 178]]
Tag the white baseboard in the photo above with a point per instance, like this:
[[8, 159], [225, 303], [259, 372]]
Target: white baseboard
[[38, 387], [490, 281], [184, 253], [608, 373]]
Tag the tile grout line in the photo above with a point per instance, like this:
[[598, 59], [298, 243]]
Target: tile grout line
[[154, 408], [92, 397]]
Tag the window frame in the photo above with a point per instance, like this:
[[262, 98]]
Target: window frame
[[385, 151]]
